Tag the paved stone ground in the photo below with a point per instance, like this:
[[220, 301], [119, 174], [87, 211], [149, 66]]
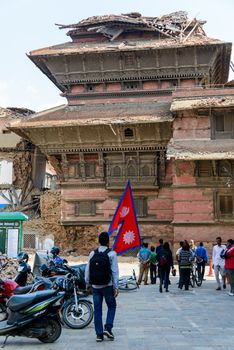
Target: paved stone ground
[[200, 319]]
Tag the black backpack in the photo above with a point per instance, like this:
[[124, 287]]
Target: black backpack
[[100, 268]]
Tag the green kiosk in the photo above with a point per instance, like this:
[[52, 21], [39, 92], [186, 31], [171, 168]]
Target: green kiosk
[[11, 233]]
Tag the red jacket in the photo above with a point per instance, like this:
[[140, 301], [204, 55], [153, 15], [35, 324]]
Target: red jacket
[[229, 258]]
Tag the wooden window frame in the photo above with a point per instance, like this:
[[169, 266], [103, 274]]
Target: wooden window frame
[[225, 134], [92, 174], [200, 172], [143, 212], [219, 214], [78, 210], [128, 133], [132, 85]]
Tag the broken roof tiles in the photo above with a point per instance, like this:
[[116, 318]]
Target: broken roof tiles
[[14, 112], [174, 25], [209, 102], [200, 149]]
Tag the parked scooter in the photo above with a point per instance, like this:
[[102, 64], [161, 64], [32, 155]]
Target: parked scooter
[[9, 288], [34, 315]]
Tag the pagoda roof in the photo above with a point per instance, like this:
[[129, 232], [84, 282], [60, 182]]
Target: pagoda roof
[[70, 48], [200, 149], [97, 114]]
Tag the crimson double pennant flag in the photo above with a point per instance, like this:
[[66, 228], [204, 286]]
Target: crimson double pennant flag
[[125, 222]]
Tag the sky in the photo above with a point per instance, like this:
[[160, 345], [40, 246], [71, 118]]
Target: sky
[[26, 25]]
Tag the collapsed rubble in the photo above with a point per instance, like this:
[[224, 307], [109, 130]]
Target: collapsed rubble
[[73, 240], [175, 25]]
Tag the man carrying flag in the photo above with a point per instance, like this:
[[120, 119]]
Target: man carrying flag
[[128, 236]]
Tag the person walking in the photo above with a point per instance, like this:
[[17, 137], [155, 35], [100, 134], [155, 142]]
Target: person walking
[[165, 263], [218, 263], [153, 265], [144, 260], [185, 259], [192, 245], [201, 256], [160, 246], [177, 259], [102, 274], [229, 264]]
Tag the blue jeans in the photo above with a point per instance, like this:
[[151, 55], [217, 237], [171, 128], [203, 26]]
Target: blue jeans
[[108, 294]]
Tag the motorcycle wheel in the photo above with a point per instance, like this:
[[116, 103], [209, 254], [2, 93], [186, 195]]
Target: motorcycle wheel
[[3, 313], [53, 330], [77, 319]]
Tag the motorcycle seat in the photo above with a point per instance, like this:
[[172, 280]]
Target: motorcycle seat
[[18, 302], [22, 290]]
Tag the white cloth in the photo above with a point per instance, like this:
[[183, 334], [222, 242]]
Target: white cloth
[[217, 261]]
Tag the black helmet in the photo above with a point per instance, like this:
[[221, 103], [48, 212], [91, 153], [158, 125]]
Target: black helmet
[[22, 256], [55, 250], [45, 271]]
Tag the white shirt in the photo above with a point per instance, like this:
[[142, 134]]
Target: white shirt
[[216, 255]]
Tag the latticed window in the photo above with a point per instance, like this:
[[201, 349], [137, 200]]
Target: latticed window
[[131, 171], [90, 170], [145, 171], [85, 208], [225, 205], [129, 61], [140, 206], [29, 240], [128, 133], [131, 85], [116, 171], [77, 170], [204, 168]]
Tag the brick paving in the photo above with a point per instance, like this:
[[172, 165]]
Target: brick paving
[[200, 319]]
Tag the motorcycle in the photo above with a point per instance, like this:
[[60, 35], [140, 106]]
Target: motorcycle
[[77, 311], [34, 315], [9, 288]]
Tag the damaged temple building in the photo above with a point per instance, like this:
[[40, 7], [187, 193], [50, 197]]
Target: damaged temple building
[[24, 173], [147, 100]]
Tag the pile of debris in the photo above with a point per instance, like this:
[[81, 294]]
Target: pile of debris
[[175, 25], [8, 267]]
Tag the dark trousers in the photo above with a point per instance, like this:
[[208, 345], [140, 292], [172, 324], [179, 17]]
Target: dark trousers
[[98, 295], [201, 268], [164, 276], [185, 277], [153, 273]]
